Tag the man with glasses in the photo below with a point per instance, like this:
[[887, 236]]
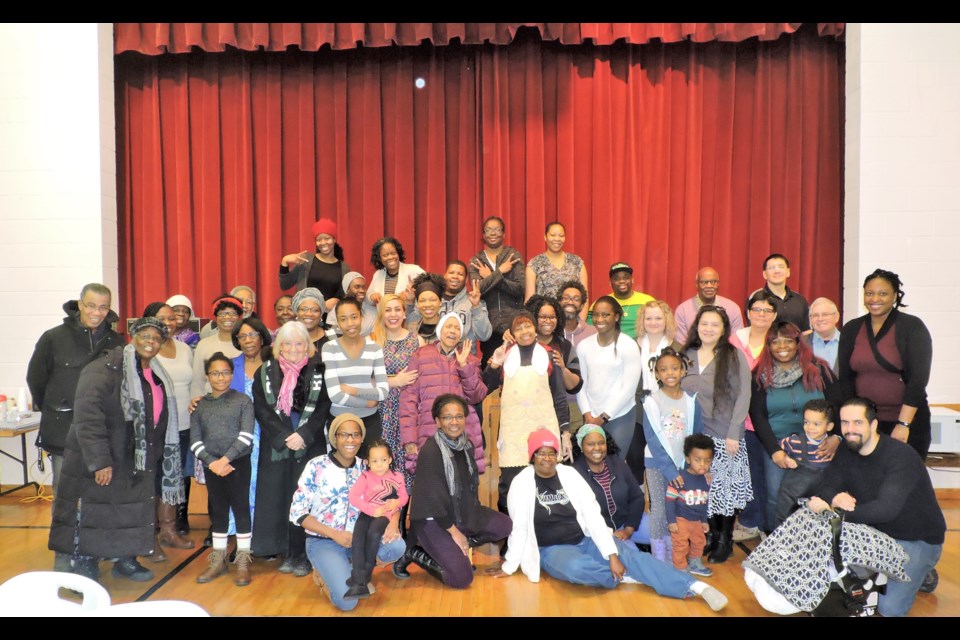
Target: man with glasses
[[621, 281], [824, 335], [54, 369], [793, 306], [708, 284], [500, 272]]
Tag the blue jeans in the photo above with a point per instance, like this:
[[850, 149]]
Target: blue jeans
[[621, 430], [898, 599], [583, 564], [753, 514], [773, 476], [332, 562]]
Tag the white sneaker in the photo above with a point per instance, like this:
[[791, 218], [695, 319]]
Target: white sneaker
[[714, 599]]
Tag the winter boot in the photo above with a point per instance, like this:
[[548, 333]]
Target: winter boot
[[167, 516], [218, 566]]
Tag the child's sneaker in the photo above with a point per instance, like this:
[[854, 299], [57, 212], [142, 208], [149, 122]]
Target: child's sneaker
[[696, 567]]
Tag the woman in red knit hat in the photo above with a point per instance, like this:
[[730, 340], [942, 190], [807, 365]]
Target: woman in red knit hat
[[323, 269]]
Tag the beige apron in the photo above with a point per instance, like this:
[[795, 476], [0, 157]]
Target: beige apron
[[526, 404]]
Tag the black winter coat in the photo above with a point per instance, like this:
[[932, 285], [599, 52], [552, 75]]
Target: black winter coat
[[61, 353], [118, 519]]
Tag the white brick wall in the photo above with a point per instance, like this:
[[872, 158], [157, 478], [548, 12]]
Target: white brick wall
[[903, 177], [57, 185]]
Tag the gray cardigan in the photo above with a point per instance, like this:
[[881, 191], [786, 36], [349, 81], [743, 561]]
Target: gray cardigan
[[727, 420]]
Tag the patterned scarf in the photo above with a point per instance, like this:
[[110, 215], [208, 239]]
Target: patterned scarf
[[447, 447], [135, 410], [784, 375], [291, 373]]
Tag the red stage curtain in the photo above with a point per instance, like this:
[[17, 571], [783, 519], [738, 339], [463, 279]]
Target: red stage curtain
[[670, 156], [155, 38]]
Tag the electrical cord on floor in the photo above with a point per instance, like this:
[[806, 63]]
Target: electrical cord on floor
[[41, 491]]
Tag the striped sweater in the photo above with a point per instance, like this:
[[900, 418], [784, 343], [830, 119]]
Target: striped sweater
[[367, 374], [222, 426]]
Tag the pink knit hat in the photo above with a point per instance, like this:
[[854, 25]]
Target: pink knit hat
[[541, 438]]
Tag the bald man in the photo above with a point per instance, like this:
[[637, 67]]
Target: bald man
[[824, 335], [708, 284]]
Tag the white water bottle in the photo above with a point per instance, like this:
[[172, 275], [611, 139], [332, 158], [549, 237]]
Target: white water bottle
[[23, 407]]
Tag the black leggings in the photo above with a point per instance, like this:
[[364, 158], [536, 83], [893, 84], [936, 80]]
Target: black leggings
[[231, 491]]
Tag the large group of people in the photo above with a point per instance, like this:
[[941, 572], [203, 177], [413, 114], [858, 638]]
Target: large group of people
[[351, 434]]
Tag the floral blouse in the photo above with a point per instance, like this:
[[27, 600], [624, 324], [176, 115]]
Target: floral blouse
[[323, 492]]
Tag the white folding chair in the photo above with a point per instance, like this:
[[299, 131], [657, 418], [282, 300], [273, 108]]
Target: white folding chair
[[37, 593]]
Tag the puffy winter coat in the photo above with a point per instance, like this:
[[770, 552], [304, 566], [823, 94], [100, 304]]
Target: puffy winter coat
[[115, 520], [440, 374]]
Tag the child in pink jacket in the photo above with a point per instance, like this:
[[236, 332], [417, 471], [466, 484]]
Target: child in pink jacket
[[379, 494]]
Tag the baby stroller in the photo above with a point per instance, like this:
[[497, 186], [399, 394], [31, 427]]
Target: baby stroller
[[823, 565]]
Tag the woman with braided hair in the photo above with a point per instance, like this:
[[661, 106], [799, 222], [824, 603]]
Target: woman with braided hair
[[885, 355]]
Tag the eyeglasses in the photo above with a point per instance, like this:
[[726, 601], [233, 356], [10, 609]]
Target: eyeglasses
[[89, 306], [312, 311], [547, 318], [576, 299], [818, 316], [349, 436], [228, 314], [245, 336], [546, 455], [147, 336], [220, 374], [762, 311], [457, 418]]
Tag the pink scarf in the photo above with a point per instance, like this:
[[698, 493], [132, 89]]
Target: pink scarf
[[291, 373]]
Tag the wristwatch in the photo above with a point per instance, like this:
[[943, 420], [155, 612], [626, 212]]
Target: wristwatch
[[903, 423]]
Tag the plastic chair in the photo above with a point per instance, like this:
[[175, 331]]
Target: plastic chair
[[152, 609], [36, 593]]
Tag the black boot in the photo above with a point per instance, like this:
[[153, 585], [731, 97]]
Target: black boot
[[724, 548], [86, 566], [183, 523], [399, 568], [128, 567], [713, 535], [423, 559]]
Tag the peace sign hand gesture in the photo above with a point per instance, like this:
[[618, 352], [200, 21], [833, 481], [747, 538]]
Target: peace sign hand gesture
[[482, 269], [507, 264], [474, 294]]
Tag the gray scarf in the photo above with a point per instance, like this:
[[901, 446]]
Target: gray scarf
[[784, 375], [447, 447], [134, 410]]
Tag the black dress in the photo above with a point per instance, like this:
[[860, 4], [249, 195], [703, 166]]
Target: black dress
[[279, 468]]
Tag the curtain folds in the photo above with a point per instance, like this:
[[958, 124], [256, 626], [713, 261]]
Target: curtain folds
[[669, 156], [156, 38]]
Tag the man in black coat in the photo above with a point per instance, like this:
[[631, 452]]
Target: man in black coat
[[61, 353]]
